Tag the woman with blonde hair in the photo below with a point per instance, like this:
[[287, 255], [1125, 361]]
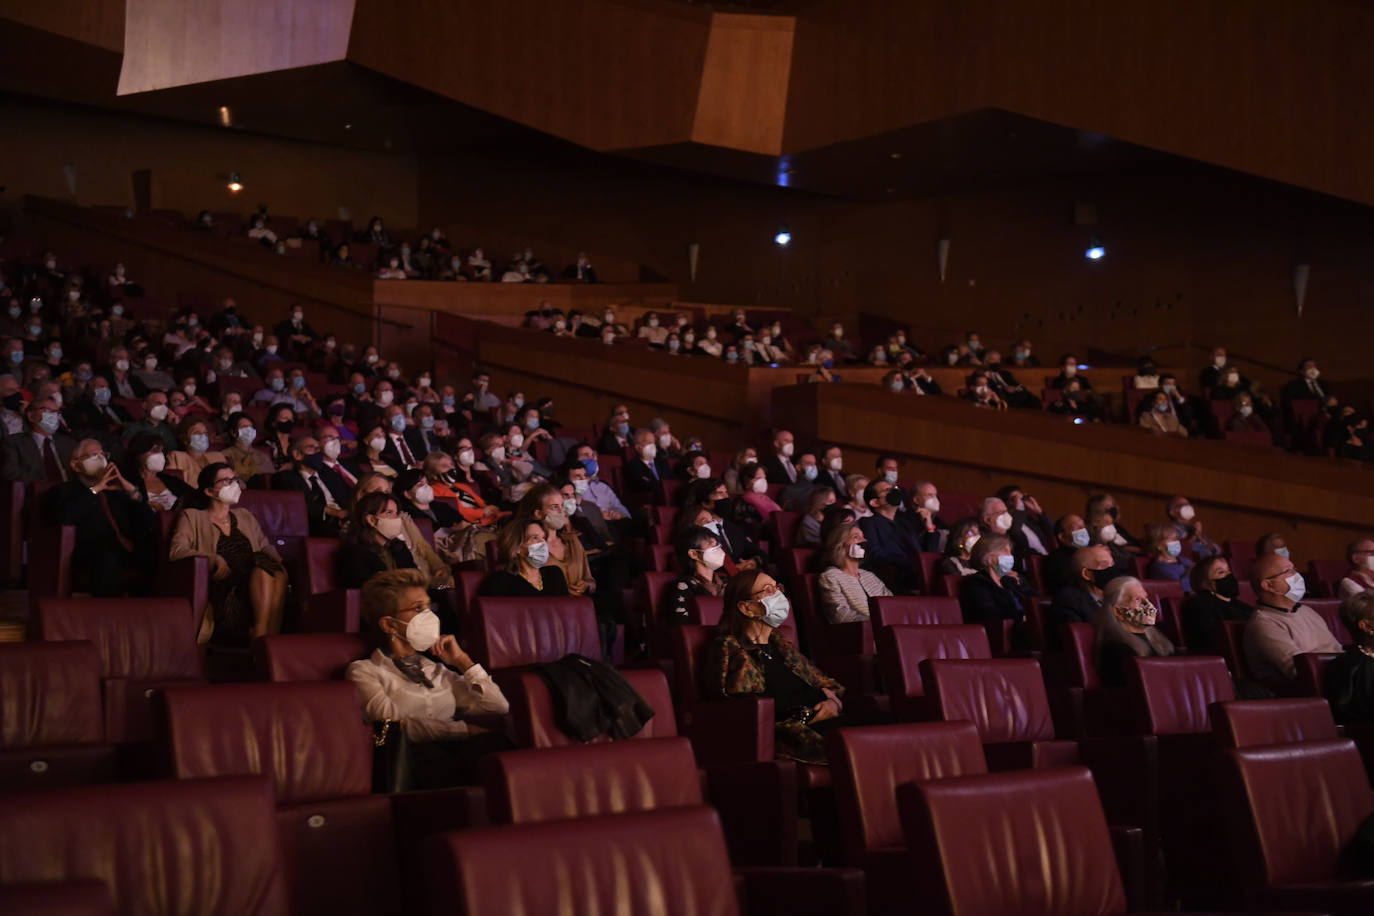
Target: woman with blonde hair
[[845, 588]]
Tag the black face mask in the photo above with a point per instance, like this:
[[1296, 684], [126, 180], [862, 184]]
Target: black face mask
[[1102, 576], [894, 497], [14, 401], [1227, 587], [284, 426], [721, 507]]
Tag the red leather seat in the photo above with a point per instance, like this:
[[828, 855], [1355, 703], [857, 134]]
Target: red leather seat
[[52, 733], [1326, 576], [660, 557], [512, 633], [1292, 811], [926, 567], [901, 649], [144, 644], [1252, 723], [467, 583], [867, 765], [1005, 699], [180, 846], [532, 709], [1230, 636], [705, 610], [651, 590], [928, 610], [782, 528], [1011, 844], [307, 656], [1240, 554], [1172, 695], [1311, 667], [284, 521], [327, 609], [664, 516], [1160, 589], [530, 786], [793, 561], [1330, 611]]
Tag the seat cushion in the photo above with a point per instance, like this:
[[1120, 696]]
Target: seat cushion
[[49, 694]]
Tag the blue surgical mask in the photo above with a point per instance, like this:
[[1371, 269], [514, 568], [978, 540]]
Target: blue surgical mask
[[277, 384], [533, 423], [450, 400], [359, 387], [1282, 551], [1173, 548], [398, 423], [101, 396], [590, 465], [538, 553], [1004, 564], [810, 472], [426, 422], [298, 382], [622, 428], [247, 434], [775, 609], [200, 443], [16, 356], [1081, 538], [50, 422]]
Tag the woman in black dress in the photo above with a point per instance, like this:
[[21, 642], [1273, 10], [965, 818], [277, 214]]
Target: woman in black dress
[[524, 553], [995, 594]]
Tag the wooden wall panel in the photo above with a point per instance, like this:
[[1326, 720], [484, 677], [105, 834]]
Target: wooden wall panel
[[743, 96], [94, 22], [174, 43]]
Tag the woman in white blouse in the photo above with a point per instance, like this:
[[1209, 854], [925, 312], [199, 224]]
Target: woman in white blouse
[[844, 587], [400, 683]]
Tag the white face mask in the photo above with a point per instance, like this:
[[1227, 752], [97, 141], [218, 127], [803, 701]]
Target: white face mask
[[1107, 534], [648, 452], [1369, 562], [384, 398], [155, 462], [158, 412], [497, 454], [1297, 587], [837, 464], [424, 495], [1080, 538], [703, 471], [665, 440], [230, 494], [93, 465], [331, 449], [786, 450], [467, 457], [1002, 523], [122, 365], [569, 506], [760, 485], [376, 443], [1186, 513], [856, 551], [422, 632], [1282, 551], [932, 505], [517, 440], [713, 558]]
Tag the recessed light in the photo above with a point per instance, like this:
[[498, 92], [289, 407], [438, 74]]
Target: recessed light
[[226, 118], [895, 155], [348, 127]]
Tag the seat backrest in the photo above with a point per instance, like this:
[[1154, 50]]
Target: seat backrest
[[793, 561], [45, 898], [1159, 589], [1041, 833], [705, 609], [1294, 808], [280, 513], [307, 656], [1171, 696], [320, 565], [650, 589], [309, 736], [927, 566], [689, 655], [1230, 636], [525, 787], [1240, 554], [868, 763], [1311, 668], [896, 610], [1252, 723], [660, 557], [162, 847], [1077, 639], [51, 694], [513, 632], [1330, 611], [138, 638], [901, 650], [1004, 697], [782, 527], [536, 724], [467, 582], [670, 862], [664, 516], [1328, 574]]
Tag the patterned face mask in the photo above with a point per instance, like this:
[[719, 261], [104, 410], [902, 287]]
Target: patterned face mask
[[1143, 614]]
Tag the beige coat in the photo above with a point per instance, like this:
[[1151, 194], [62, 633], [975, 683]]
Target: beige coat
[[196, 536]]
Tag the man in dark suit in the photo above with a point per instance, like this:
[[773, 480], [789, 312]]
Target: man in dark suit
[[1079, 600], [398, 453], [643, 473], [293, 333], [114, 527], [337, 477], [778, 466], [1031, 529], [582, 271], [323, 509], [41, 451], [618, 433], [1303, 388], [1057, 569], [924, 516], [832, 472], [94, 414], [421, 437]]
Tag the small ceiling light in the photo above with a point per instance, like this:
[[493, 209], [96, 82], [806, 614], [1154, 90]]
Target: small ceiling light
[[226, 119], [1096, 250], [235, 185], [894, 155], [348, 127], [783, 238]]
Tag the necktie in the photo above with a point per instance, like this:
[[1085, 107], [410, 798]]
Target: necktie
[[318, 490], [653, 469], [791, 470], [52, 468], [124, 542], [1312, 384], [348, 478], [406, 456]]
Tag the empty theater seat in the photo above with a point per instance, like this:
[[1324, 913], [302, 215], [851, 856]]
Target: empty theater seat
[[1252, 723], [306, 656], [1173, 695], [164, 847], [898, 610], [52, 732], [519, 632], [536, 723], [327, 608], [144, 644], [48, 898], [901, 649]]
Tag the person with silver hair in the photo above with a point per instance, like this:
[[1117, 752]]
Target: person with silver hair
[[1349, 680], [1125, 628]]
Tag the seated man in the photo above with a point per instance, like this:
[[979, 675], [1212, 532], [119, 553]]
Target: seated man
[[1071, 535], [41, 451], [583, 470], [1282, 627], [321, 507], [618, 433], [890, 544], [156, 420], [1030, 530], [643, 474], [1078, 601], [930, 529], [1303, 388], [1360, 555], [114, 527], [795, 495], [1189, 529], [778, 466]]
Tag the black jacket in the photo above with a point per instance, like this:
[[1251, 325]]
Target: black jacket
[[321, 524], [1202, 612], [591, 698], [1072, 604], [640, 481], [775, 466], [1056, 570]]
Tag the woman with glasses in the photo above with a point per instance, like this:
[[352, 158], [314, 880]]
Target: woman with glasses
[[751, 657], [247, 578], [1125, 628], [403, 684]]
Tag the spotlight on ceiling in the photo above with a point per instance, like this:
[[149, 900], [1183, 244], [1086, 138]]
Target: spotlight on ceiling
[[783, 237], [235, 185], [1096, 250]]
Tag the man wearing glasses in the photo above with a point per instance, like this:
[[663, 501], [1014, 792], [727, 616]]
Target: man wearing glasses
[[114, 527], [1282, 628]]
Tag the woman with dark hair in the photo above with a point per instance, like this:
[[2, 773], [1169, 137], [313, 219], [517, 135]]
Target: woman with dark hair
[[371, 443], [281, 420], [195, 455], [247, 578], [958, 558], [144, 468], [1214, 598], [526, 571], [378, 539], [753, 480], [701, 557], [750, 657], [809, 531], [247, 461]]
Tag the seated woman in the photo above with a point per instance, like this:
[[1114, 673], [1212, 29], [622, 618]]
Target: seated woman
[[754, 480], [1165, 551], [1349, 679], [1125, 629], [995, 594], [734, 484], [194, 436], [145, 463], [524, 552], [1157, 415], [1243, 417], [518, 451], [544, 504], [750, 657], [369, 461], [1360, 577], [958, 558], [247, 578], [281, 421], [844, 588], [378, 538], [809, 531], [415, 496], [247, 461], [1213, 599], [399, 685], [699, 552]]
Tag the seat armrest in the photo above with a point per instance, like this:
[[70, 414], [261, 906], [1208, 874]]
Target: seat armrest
[[726, 732], [189, 577], [1129, 845], [757, 803], [339, 611], [803, 891]]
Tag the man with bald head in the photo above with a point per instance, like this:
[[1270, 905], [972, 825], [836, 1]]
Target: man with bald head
[[114, 526], [1078, 601], [1282, 627]]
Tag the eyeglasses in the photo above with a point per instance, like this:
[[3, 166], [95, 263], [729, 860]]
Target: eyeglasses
[[226, 481], [418, 607], [769, 591]]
